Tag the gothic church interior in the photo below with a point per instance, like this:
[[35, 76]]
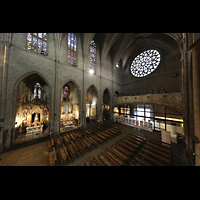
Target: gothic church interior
[[126, 98]]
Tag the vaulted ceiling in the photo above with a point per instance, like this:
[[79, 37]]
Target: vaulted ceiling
[[122, 46]]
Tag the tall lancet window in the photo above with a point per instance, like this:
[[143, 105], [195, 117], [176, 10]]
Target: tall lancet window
[[72, 48], [37, 91], [93, 56], [37, 42]]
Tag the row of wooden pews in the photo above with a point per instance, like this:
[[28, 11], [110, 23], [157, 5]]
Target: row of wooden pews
[[121, 153], [154, 153], [134, 150], [66, 147]]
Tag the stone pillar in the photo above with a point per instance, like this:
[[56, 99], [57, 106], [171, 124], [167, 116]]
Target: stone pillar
[[5, 126], [196, 97]]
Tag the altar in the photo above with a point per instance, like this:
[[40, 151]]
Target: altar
[[34, 129]]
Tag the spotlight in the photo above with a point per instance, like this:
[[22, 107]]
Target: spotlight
[[91, 71]]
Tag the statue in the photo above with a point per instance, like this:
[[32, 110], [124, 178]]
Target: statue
[[36, 118]]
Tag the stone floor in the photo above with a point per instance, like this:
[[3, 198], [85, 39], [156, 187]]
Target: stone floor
[[37, 154]]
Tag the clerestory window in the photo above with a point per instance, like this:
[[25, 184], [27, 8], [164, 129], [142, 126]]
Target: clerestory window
[[37, 42]]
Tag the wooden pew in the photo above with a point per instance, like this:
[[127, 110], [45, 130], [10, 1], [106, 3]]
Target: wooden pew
[[159, 148], [151, 160], [94, 142], [51, 158], [142, 162], [62, 156], [104, 159], [50, 147], [124, 145], [134, 138], [75, 147], [80, 148], [119, 153], [135, 146], [163, 154], [97, 139], [66, 140], [101, 136], [72, 151], [123, 150], [95, 162], [157, 157], [116, 158], [66, 152], [88, 144], [161, 144], [139, 143]]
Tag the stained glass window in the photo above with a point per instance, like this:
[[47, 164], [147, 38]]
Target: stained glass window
[[72, 48], [37, 91], [93, 55], [37, 42], [145, 63]]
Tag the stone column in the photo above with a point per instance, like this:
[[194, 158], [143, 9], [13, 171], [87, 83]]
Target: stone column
[[5, 134], [196, 97]]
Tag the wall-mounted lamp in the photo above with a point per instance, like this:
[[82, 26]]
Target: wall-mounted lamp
[[91, 71]]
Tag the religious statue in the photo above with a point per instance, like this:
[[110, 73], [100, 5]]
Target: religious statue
[[36, 117]]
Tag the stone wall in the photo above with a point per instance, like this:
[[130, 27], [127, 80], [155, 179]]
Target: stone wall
[[16, 62], [171, 100]]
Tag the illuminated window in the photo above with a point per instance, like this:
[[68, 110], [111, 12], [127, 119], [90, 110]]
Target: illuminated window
[[72, 48], [145, 63], [37, 42], [93, 56], [37, 91]]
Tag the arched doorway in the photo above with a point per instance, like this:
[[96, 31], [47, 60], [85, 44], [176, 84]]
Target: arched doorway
[[106, 105], [32, 109], [91, 104], [69, 118]]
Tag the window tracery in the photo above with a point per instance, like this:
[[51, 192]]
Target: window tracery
[[37, 91], [93, 55], [37, 42], [145, 63], [72, 48]]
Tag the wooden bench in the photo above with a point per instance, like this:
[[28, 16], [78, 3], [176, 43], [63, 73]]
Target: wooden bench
[[104, 159], [135, 146], [151, 160], [62, 156], [135, 141], [159, 148], [161, 144], [132, 137], [142, 162], [58, 142], [66, 140], [72, 151], [88, 144], [123, 150], [80, 148], [112, 155], [124, 145], [157, 157], [163, 154], [97, 139], [94, 142], [52, 157], [121, 155], [95, 162]]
